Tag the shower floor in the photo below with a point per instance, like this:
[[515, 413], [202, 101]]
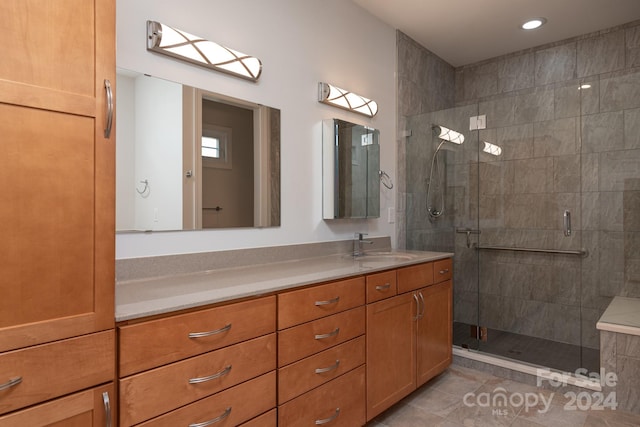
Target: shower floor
[[536, 351]]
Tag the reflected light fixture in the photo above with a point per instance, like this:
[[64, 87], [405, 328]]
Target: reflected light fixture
[[492, 148], [532, 24], [181, 45], [448, 134], [332, 95]]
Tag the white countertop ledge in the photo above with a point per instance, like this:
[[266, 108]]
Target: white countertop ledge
[[160, 295], [622, 316]]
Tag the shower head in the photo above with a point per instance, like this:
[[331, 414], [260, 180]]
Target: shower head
[[448, 134]]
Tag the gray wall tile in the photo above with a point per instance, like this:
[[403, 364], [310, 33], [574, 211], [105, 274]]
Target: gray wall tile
[[555, 64], [601, 53], [515, 72], [603, 132], [620, 92]]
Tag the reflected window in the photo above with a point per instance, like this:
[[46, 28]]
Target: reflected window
[[216, 146]]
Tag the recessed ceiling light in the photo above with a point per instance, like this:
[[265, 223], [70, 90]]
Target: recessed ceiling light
[[534, 23]]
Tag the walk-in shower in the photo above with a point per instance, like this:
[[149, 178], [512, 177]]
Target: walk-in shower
[[519, 263], [435, 184]]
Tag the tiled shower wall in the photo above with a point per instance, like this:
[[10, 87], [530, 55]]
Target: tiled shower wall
[[563, 149]]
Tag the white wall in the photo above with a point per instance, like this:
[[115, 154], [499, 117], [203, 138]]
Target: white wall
[[300, 43]]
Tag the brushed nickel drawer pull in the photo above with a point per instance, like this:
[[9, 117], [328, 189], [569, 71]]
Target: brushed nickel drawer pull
[[417, 316], [329, 335], [12, 382], [328, 368], [107, 409], [224, 415], [423, 305], [222, 373], [328, 420], [331, 301], [209, 333], [383, 287], [446, 270]]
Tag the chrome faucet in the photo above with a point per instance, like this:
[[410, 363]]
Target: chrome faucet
[[357, 244]]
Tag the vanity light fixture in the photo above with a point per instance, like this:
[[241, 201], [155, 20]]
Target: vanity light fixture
[[332, 95], [181, 45], [532, 24]]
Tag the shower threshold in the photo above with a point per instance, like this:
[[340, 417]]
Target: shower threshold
[[525, 353]]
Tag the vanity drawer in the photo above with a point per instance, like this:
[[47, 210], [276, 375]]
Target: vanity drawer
[[306, 374], [381, 286], [442, 270], [232, 406], [269, 419], [146, 395], [312, 337], [55, 369], [308, 304], [157, 342], [415, 277], [321, 404]]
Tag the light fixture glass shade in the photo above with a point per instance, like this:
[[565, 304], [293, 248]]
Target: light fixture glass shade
[[179, 44], [332, 95], [448, 134]]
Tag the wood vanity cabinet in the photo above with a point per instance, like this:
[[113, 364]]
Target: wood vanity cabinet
[[57, 174], [200, 366], [409, 336], [321, 355]]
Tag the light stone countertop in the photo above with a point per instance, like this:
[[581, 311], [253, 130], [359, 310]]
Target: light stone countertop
[[622, 316], [160, 295]]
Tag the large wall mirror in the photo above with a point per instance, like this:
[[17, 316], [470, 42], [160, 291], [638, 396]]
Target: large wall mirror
[[189, 159]]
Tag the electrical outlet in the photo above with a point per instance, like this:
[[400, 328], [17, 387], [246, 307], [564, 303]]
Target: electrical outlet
[[391, 214]]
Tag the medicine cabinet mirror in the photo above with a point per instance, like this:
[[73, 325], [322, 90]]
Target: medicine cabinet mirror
[[351, 165], [190, 159]]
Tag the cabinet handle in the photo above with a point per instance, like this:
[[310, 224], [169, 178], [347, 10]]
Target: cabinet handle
[[107, 128], [327, 302], [383, 287], [423, 305], [107, 408], [329, 335], [417, 316], [12, 382], [328, 420], [224, 415], [222, 373], [446, 270], [209, 333], [328, 368]]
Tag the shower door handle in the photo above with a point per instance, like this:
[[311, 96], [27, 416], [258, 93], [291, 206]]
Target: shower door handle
[[567, 223]]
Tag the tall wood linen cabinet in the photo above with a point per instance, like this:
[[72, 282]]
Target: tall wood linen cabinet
[[57, 170]]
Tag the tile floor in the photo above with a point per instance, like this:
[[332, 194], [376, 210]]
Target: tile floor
[[441, 403]]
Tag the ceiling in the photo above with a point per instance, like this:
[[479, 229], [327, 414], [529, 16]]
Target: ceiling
[[467, 31]]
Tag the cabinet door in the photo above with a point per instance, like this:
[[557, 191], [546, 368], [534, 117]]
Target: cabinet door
[[391, 352], [56, 170], [434, 331], [93, 407]]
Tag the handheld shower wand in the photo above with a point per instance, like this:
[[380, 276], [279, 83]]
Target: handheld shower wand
[[445, 135]]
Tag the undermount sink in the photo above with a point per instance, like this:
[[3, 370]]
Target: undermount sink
[[384, 257]]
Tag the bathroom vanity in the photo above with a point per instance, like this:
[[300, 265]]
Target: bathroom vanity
[[329, 339]]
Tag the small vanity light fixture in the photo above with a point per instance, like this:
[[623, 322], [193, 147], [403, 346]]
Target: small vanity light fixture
[[181, 45], [448, 134], [332, 95], [532, 24]]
